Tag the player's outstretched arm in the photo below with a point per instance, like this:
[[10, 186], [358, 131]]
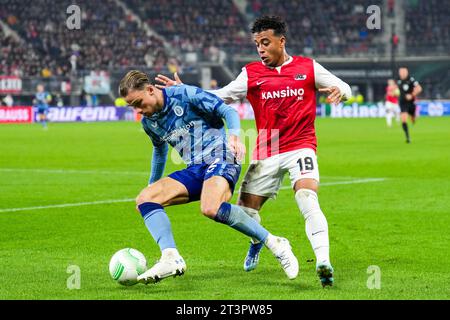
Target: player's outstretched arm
[[210, 103], [158, 163], [234, 91], [233, 123], [328, 83], [165, 82]]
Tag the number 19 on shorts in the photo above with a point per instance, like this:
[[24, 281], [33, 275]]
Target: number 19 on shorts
[[306, 164]]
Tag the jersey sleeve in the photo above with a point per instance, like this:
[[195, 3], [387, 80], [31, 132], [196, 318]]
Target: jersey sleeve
[[153, 137], [159, 155], [231, 118], [235, 90], [203, 100], [414, 82], [325, 78], [210, 103], [158, 163]]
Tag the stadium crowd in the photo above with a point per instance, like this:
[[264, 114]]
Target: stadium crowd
[[196, 27], [212, 31], [215, 31], [107, 38], [427, 26], [17, 58], [324, 27]]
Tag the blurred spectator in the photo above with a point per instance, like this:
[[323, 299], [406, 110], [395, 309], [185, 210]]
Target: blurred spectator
[[395, 40], [84, 98], [173, 66], [213, 85], [59, 102], [7, 101], [46, 73], [391, 7]]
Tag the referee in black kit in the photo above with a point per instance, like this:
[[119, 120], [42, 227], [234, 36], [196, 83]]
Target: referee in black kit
[[409, 89]]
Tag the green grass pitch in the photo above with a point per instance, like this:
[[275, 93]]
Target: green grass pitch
[[398, 224]]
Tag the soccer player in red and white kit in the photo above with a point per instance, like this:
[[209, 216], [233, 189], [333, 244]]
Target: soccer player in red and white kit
[[282, 91], [391, 104]]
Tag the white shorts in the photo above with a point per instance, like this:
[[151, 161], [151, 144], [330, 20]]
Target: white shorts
[[390, 106], [264, 177]]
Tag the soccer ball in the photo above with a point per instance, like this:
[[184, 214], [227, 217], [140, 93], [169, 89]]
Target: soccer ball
[[126, 265]]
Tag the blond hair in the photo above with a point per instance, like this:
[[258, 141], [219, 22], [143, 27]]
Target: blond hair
[[133, 80]]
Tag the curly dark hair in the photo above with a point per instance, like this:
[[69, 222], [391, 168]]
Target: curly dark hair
[[270, 23]]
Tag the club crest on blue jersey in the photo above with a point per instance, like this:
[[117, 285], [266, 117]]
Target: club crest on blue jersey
[[178, 111]]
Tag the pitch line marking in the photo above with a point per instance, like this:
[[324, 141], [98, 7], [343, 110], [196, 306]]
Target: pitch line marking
[[69, 171], [79, 204], [64, 171], [65, 205], [368, 180]]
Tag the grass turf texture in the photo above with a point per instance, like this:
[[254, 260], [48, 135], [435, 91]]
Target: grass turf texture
[[400, 225]]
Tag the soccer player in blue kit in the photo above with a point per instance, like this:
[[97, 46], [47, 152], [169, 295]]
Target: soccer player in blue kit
[[190, 120], [42, 98]]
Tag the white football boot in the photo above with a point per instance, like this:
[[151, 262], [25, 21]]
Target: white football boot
[[282, 250], [170, 265]]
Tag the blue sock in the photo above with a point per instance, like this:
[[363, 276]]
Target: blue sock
[[236, 218], [158, 223]]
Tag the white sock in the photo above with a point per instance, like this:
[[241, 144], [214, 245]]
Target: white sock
[[254, 214], [389, 119], [271, 242], [170, 253], [316, 225]]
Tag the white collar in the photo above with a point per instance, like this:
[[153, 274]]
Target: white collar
[[289, 60]]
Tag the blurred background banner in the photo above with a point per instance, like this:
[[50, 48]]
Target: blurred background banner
[[435, 108], [89, 114], [10, 84], [16, 115]]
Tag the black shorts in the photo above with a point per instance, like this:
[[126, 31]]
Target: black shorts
[[409, 107]]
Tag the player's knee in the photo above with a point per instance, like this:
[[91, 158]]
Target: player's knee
[[308, 202], [209, 210], [249, 201], [149, 194]]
